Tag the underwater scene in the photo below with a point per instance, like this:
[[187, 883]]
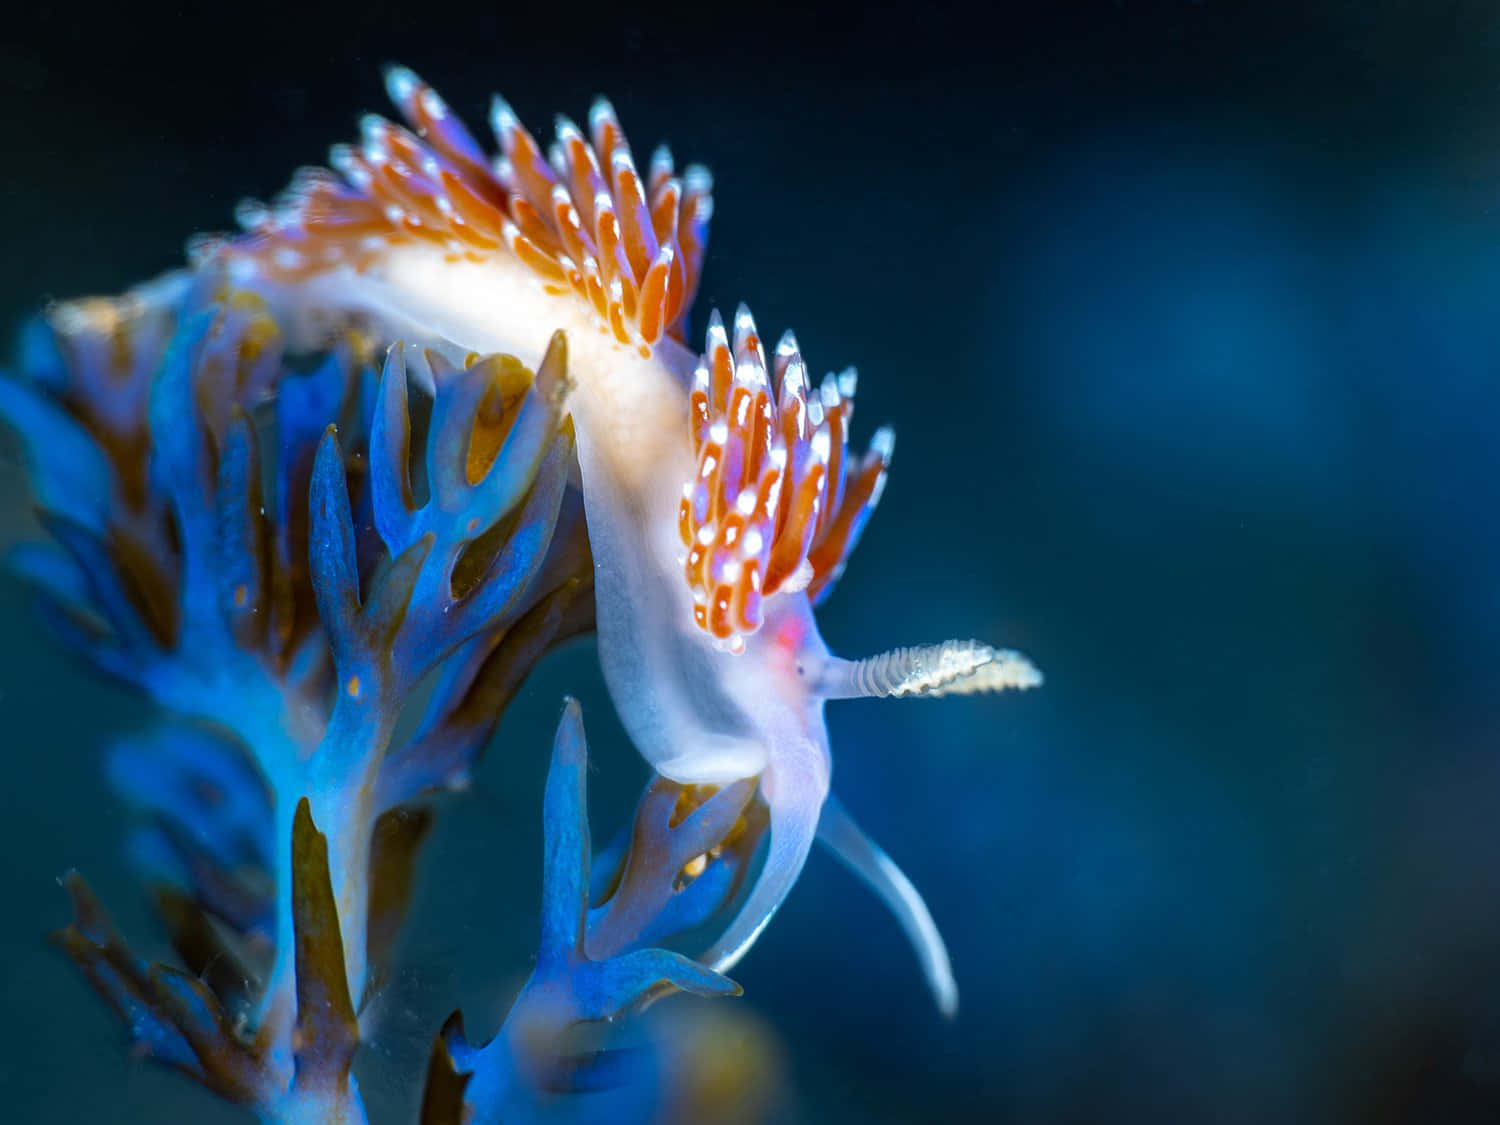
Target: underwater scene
[[465, 659]]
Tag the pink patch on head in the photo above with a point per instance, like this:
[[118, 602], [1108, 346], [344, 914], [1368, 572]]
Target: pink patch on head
[[790, 634]]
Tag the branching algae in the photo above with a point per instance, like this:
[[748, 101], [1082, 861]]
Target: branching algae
[[330, 494]]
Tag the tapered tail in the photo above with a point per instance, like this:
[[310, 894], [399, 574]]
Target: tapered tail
[[795, 797], [951, 668], [864, 857]]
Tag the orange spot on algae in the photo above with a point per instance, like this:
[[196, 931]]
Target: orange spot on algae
[[510, 379]]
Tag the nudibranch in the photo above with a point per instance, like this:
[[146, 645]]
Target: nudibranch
[[720, 492]]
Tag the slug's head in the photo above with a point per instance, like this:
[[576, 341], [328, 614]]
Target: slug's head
[[775, 505], [796, 674]]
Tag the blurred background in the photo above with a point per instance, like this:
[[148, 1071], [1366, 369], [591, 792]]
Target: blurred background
[[1185, 314]]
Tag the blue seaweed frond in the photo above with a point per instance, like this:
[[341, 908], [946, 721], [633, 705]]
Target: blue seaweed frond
[[235, 532], [585, 973]]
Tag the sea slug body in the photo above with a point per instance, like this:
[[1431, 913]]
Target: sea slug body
[[721, 496]]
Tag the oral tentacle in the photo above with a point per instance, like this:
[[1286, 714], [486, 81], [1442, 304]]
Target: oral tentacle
[[846, 840]]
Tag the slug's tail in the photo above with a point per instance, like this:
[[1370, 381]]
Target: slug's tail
[[795, 796], [865, 858]]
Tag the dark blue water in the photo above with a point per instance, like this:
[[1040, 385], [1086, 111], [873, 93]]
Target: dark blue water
[[1185, 316]]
